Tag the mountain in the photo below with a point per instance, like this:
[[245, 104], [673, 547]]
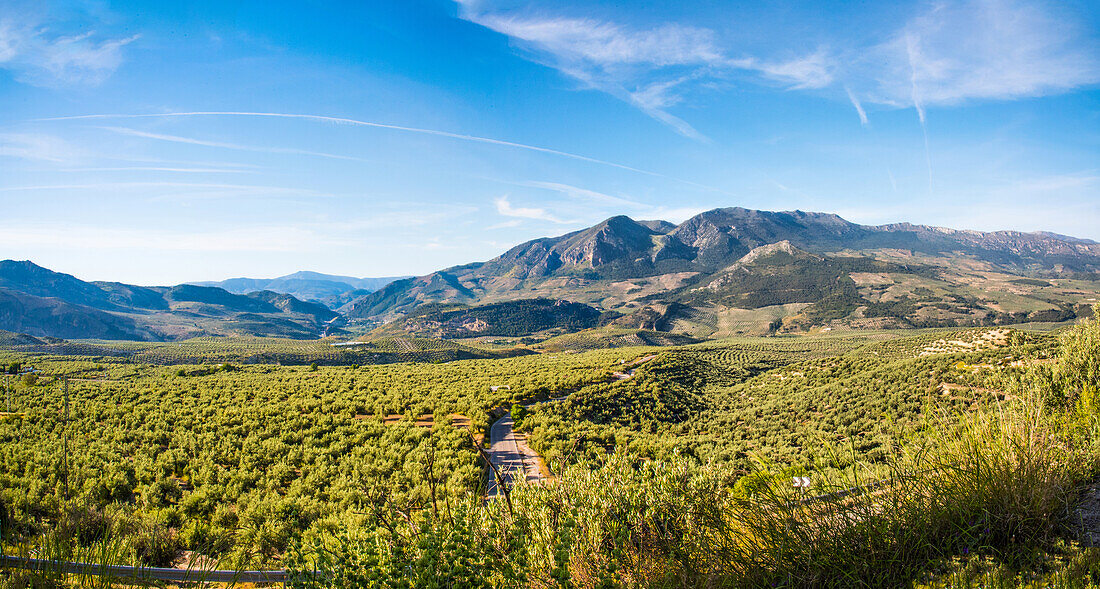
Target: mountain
[[53, 317], [722, 272], [773, 270], [40, 302], [289, 304], [30, 279], [308, 286]]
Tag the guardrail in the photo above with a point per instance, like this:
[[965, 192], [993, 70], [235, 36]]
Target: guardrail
[[143, 573]]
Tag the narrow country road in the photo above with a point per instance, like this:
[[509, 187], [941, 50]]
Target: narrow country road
[[633, 366], [511, 455], [509, 452]]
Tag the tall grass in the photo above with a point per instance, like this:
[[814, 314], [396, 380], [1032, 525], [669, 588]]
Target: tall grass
[[104, 539]]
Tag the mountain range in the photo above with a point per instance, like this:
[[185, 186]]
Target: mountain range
[[332, 291], [40, 302], [723, 272], [734, 270]]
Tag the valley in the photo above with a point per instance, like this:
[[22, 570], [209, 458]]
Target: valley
[[200, 449], [644, 391]]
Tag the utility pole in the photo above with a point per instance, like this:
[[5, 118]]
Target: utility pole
[[65, 437]]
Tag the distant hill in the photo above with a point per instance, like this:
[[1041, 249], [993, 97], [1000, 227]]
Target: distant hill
[[54, 317], [737, 270], [40, 302], [307, 286], [721, 273], [508, 319]]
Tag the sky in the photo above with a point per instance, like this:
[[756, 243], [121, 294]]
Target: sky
[[162, 142]]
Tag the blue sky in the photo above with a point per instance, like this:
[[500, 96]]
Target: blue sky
[[155, 142]]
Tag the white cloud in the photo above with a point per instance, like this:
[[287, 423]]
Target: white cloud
[[38, 56], [606, 44], [981, 49], [641, 67], [953, 52], [506, 209], [809, 72]]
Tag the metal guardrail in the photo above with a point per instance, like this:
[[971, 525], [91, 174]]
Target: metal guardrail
[[144, 573]]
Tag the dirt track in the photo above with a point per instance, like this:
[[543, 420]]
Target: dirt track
[[509, 452]]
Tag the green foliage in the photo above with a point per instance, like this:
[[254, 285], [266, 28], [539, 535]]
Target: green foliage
[[1080, 366], [658, 454], [239, 463]]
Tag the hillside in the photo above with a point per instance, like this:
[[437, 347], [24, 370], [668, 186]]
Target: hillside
[[744, 271], [54, 317], [40, 302], [510, 319]]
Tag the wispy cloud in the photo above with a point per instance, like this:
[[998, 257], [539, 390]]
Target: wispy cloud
[[605, 44], [591, 205], [177, 190], [182, 170], [648, 68], [37, 56], [1053, 184], [981, 49], [355, 122], [506, 224], [644, 68], [585, 194], [505, 208], [808, 72], [858, 106], [234, 146], [41, 147], [275, 239], [953, 52]]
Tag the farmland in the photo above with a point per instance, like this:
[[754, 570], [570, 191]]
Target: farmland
[[184, 449]]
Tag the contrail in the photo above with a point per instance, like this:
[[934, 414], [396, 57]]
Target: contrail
[[911, 51], [859, 107], [345, 121]]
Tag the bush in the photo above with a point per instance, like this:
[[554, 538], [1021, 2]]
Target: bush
[[154, 544]]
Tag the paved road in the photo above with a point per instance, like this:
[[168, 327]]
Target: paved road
[[511, 455]]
